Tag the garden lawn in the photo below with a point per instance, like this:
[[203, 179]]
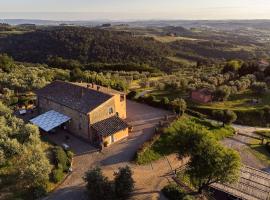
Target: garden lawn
[[166, 143]]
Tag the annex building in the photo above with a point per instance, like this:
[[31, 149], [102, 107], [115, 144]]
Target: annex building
[[89, 111]]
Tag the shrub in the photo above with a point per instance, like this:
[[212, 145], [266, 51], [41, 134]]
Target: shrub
[[70, 154], [35, 192], [57, 175], [132, 95], [61, 158], [144, 154], [164, 102], [173, 192]]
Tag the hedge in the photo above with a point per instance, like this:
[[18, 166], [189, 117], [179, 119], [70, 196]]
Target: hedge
[[62, 162], [57, 175]]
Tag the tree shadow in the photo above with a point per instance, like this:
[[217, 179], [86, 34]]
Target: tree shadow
[[69, 193]]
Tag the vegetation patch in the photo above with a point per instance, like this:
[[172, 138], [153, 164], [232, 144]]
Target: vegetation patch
[[100, 187], [261, 147], [167, 142], [174, 192]]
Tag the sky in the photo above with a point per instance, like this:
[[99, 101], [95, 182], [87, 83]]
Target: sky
[[134, 9]]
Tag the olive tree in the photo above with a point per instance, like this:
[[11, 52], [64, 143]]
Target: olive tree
[[124, 183], [210, 162]]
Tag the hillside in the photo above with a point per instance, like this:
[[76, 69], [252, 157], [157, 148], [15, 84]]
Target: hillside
[[86, 45], [130, 49]]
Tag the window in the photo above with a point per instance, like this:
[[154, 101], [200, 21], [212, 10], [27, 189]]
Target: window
[[110, 110], [122, 98]]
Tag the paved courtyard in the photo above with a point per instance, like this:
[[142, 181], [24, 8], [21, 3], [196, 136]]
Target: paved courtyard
[[149, 179]]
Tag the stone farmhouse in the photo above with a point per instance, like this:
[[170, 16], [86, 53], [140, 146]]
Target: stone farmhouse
[[91, 112]]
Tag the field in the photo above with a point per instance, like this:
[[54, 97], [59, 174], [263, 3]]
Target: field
[[167, 39], [241, 101]]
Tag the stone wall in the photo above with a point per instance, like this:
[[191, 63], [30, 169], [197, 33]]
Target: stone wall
[[102, 112]]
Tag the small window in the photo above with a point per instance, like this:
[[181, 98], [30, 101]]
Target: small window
[[122, 98], [110, 110]]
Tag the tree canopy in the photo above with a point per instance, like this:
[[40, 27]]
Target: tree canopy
[[21, 154]]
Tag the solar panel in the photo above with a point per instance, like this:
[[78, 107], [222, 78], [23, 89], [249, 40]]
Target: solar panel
[[49, 120]]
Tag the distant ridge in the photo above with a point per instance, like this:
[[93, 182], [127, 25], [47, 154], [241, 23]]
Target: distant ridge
[[219, 24]]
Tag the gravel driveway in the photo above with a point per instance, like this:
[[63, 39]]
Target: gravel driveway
[[241, 143], [149, 179]]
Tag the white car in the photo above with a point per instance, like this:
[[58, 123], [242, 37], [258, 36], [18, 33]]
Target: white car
[[65, 146]]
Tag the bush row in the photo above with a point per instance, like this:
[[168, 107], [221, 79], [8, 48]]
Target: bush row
[[178, 105], [256, 117]]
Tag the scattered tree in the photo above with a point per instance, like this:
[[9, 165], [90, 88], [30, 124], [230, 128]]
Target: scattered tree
[[124, 183], [222, 93], [6, 62], [179, 106], [226, 117], [98, 186], [259, 87], [210, 162]]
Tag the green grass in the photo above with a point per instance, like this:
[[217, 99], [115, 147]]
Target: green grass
[[263, 133], [218, 131], [182, 61], [170, 94], [166, 143], [259, 150], [240, 101], [167, 39]]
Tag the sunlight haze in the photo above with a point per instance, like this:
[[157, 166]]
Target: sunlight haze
[[127, 10]]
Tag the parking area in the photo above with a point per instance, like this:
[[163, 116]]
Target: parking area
[[77, 145], [137, 112]]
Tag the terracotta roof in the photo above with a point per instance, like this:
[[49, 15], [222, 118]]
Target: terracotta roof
[[73, 96], [204, 91], [110, 126]]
